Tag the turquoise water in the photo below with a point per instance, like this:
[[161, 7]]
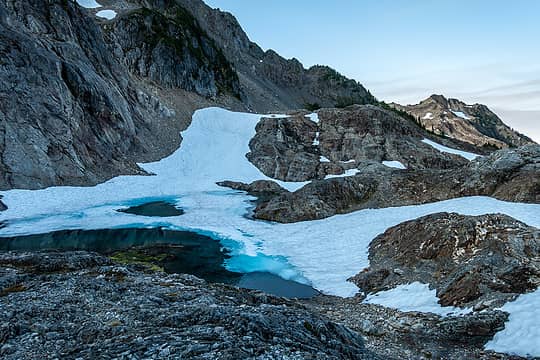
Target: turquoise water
[[186, 252]]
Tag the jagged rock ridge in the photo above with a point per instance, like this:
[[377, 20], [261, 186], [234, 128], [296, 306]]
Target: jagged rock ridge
[[510, 175], [475, 124]]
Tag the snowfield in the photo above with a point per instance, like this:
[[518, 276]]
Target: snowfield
[[521, 335], [89, 4], [460, 114], [467, 155], [106, 14], [394, 164], [413, 297], [350, 172], [323, 253]]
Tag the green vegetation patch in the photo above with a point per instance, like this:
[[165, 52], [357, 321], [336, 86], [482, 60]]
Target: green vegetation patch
[[140, 257]]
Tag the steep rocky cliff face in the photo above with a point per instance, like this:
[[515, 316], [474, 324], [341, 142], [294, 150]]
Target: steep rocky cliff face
[[69, 111], [269, 81], [170, 49], [84, 99], [475, 124]]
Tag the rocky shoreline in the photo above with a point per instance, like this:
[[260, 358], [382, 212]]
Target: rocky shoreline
[[83, 305]]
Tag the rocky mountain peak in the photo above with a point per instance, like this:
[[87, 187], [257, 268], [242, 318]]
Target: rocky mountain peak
[[475, 124]]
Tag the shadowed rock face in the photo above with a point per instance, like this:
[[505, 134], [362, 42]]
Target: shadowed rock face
[[170, 48], [269, 81], [69, 113], [511, 175], [475, 124], [132, 310], [468, 259]]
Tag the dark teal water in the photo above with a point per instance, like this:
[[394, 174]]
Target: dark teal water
[[155, 208], [187, 252]]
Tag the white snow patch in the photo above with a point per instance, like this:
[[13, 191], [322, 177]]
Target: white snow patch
[[394, 164], [324, 253], [460, 114], [316, 140], [428, 116], [348, 161], [349, 172], [89, 4], [106, 14], [521, 334], [442, 148], [313, 117], [324, 159], [413, 297]]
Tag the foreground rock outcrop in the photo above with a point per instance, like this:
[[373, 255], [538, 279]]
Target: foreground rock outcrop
[[511, 175], [413, 335], [481, 261], [81, 305]]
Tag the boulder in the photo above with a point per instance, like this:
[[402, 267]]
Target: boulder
[[468, 259]]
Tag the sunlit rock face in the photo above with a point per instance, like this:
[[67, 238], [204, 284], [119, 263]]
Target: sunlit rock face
[[475, 124]]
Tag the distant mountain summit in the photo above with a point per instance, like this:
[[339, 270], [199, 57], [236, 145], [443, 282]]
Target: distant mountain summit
[[475, 124]]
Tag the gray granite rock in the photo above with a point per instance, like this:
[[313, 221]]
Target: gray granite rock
[[91, 308]]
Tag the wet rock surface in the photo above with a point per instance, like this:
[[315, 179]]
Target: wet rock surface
[[480, 261], [89, 307], [511, 175]]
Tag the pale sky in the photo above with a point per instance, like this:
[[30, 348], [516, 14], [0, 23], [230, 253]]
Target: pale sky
[[485, 51]]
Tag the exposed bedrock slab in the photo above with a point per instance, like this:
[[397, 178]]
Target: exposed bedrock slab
[[480, 261]]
